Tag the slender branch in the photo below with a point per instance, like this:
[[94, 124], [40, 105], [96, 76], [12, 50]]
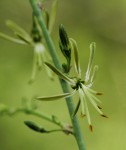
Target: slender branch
[[65, 127], [64, 85]]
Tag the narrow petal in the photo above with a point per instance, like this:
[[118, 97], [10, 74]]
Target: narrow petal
[[93, 75], [9, 38], [21, 33], [76, 109], [81, 95], [39, 50], [34, 68], [52, 16], [93, 102], [60, 74], [76, 57], [88, 116], [90, 63], [95, 98], [92, 92], [55, 97], [39, 61]]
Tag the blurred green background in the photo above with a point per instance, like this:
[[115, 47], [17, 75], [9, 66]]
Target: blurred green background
[[101, 21]]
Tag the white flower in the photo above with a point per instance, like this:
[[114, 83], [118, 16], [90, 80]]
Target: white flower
[[82, 86], [40, 53]]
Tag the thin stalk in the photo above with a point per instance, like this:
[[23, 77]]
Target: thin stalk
[[38, 114], [64, 85]]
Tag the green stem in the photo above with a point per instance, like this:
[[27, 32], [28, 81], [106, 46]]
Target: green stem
[[39, 114], [77, 131]]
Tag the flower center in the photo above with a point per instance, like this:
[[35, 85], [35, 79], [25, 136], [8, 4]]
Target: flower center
[[78, 84]]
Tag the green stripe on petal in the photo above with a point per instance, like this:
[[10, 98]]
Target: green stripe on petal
[[88, 115], [95, 69], [60, 74], [81, 95], [94, 97], [90, 63], [76, 57], [93, 102], [55, 97]]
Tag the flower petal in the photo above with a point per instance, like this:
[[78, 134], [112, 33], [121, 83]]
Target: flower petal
[[92, 92], [93, 102], [60, 74], [11, 39], [88, 116], [81, 95], [55, 97], [52, 16], [76, 57], [90, 63], [76, 109], [95, 69], [34, 68], [21, 33]]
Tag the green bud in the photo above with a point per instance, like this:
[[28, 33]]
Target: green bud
[[35, 127], [64, 45], [32, 125], [63, 37]]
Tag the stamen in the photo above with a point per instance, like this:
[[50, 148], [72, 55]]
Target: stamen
[[104, 116], [91, 128]]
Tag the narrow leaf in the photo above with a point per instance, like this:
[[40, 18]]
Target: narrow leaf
[[60, 74]]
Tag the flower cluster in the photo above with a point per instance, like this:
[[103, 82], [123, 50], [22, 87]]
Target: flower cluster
[[83, 87]]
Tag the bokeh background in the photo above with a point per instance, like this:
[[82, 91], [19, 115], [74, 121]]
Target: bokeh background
[[101, 21]]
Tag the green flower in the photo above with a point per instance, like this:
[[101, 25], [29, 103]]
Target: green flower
[[83, 87]]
